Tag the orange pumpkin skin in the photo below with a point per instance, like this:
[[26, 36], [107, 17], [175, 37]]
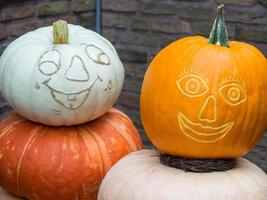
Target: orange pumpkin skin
[[66, 163], [202, 100]]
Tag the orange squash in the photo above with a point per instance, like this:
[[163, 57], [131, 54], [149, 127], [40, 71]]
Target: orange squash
[[66, 163], [205, 98]]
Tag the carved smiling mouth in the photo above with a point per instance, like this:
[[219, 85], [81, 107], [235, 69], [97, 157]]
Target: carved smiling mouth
[[70, 100], [201, 133]]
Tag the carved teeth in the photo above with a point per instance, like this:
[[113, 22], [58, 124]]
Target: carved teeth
[[71, 97], [71, 101]]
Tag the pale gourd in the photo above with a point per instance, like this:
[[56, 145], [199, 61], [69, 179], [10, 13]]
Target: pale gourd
[[4, 195], [61, 75], [140, 176]]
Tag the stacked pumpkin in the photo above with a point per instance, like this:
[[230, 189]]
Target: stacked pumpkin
[[66, 78], [203, 106]]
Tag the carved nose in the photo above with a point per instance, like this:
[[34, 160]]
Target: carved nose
[[77, 70], [208, 110]]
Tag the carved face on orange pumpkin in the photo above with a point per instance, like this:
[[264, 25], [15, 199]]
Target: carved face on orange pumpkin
[[206, 125], [203, 100]]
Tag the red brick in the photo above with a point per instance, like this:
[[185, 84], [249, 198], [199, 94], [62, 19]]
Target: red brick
[[129, 99], [87, 20], [185, 27], [83, 5], [115, 20], [109, 34], [71, 19], [240, 2], [18, 12], [135, 70], [3, 33], [145, 39], [165, 26], [140, 24], [120, 5], [157, 8], [19, 29], [52, 8]]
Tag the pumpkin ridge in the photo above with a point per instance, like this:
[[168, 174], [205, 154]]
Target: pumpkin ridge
[[15, 69], [254, 53], [126, 139], [100, 158], [28, 143], [98, 140], [10, 128], [104, 152], [118, 113], [33, 115], [4, 90], [124, 135]]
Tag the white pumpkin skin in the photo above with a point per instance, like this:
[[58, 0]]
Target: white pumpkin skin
[[61, 84], [140, 176], [4, 195]]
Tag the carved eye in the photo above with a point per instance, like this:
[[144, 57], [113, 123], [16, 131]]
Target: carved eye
[[192, 85], [49, 62], [97, 55], [233, 93]]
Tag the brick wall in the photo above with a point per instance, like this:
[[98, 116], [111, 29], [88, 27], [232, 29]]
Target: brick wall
[[139, 29]]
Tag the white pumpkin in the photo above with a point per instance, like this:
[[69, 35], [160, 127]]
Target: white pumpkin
[[4, 195], [72, 77], [140, 176]]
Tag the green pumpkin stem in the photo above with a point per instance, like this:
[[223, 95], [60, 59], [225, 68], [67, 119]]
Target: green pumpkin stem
[[218, 34], [60, 32]]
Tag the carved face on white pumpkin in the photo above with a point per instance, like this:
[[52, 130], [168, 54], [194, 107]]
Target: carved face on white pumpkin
[[76, 73], [66, 83]]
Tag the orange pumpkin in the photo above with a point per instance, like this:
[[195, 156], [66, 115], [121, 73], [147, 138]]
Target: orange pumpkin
[[205, 98], [66, 163]]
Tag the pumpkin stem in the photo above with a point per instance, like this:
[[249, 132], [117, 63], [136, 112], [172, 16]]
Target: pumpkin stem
[[218, 34], [60, 32]]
